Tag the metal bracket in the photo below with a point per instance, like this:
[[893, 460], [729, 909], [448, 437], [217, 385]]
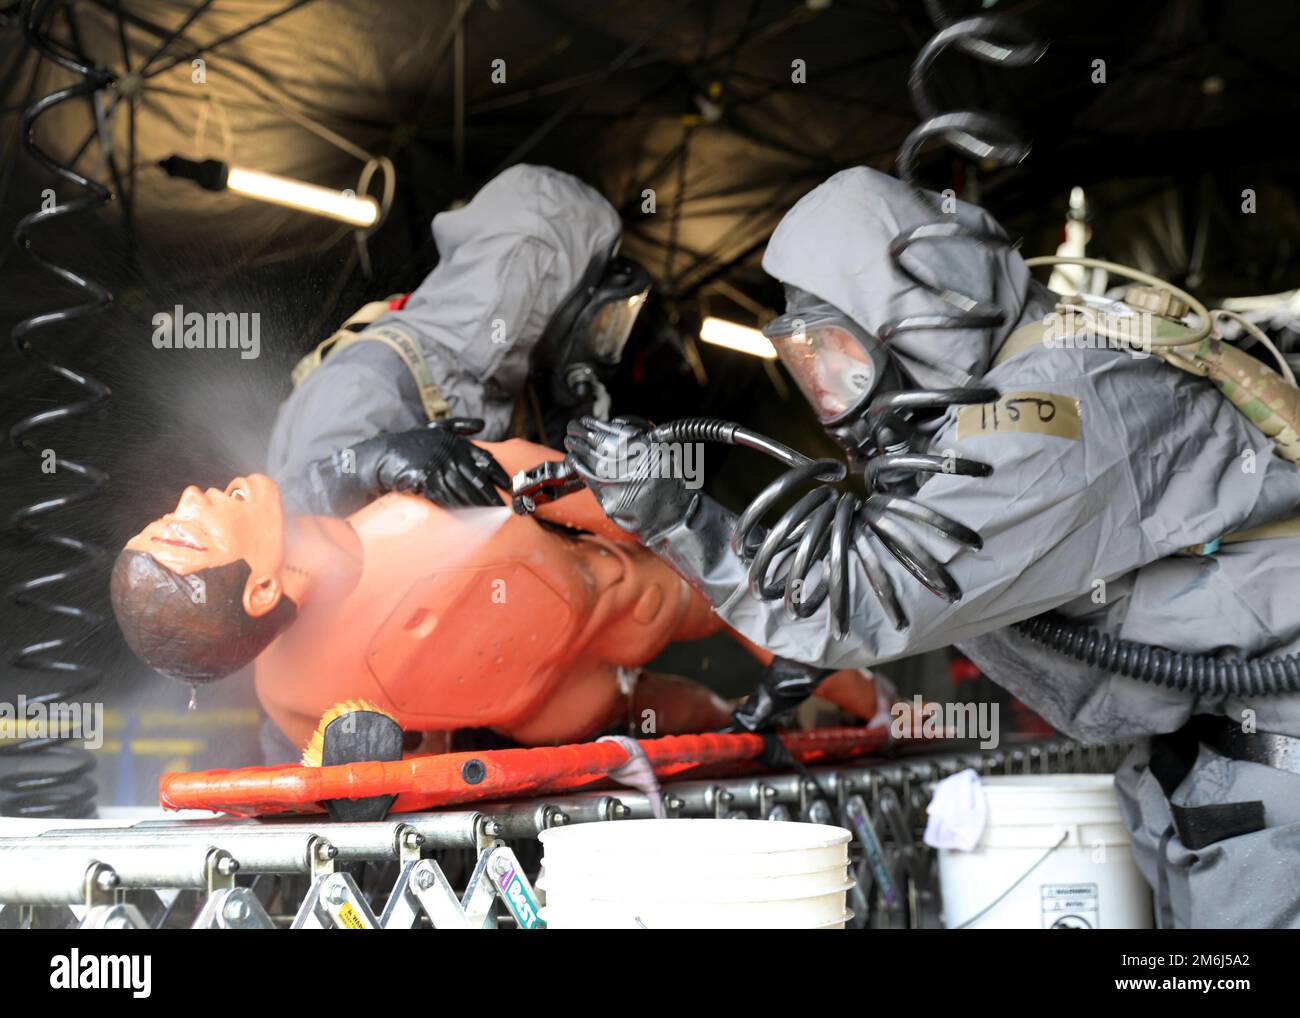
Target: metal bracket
[[99, 885], [334, 902], [220, 868], [322, 855], [114, 917], [233, 908], [409, 843], [422, 889]]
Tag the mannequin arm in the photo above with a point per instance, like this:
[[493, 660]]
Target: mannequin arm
[[678, 705], [852, 691]]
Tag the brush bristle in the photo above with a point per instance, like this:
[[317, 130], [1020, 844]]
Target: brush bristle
[[314, 751]]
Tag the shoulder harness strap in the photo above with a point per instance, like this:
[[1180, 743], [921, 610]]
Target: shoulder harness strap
[[436, 408]]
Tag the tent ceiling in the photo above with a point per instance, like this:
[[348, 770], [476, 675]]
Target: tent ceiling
[[692, 99]]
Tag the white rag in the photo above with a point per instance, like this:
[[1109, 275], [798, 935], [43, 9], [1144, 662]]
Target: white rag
[[637, 773], [957, 812]]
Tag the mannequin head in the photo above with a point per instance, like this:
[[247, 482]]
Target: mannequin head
[[200, 592]]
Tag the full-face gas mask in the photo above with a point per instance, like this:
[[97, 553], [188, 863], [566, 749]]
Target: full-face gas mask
[[837, 364], [584, 340], [860, 393]]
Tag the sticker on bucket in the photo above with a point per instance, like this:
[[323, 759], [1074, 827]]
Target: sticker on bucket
[[1070, 907]]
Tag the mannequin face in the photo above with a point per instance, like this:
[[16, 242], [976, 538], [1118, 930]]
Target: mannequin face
[[215, 528]]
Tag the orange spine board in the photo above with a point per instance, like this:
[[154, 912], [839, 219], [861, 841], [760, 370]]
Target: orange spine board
[[428, 782]]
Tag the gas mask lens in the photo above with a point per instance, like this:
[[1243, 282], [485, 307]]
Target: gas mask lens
[[610, 325], [827, 360]]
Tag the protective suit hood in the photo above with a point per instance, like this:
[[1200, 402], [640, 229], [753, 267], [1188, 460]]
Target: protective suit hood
[[507, 261], [510, 257], [834, 243], [533, 210]]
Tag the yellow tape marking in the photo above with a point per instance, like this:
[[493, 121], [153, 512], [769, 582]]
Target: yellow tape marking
[[1033, 413]]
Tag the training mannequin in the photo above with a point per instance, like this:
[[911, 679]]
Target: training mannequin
[[472, 618]]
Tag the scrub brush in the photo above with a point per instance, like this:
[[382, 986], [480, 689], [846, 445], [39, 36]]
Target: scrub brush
[[315, 748]]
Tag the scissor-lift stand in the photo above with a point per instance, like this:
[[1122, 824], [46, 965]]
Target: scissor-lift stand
[[302, 873]]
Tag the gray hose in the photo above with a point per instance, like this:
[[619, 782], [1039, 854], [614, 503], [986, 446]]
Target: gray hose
[[1188, 673]]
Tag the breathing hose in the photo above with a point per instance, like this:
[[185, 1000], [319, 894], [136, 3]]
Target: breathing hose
[[38, 786], [825, 529], [1187, 673]]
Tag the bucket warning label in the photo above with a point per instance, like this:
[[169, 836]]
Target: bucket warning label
[[1070, 907]]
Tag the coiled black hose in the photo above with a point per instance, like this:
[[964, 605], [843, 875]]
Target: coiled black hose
[[806, 524], [1187, 673], [825, 527], [37, 786], [994, 39], [1002, 40]]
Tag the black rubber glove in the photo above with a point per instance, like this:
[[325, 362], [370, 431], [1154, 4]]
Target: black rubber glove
[[437, 461], [784, 686], [634, 480]]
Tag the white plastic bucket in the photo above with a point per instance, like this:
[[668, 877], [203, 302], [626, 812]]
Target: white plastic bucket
[[697, 886], [822, 912], [1070, 826], [695, 874]]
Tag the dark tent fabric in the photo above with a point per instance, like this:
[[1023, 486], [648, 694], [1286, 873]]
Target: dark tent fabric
[[693, 100]]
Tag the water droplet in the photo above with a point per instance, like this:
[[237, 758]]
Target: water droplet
[[194, 697]]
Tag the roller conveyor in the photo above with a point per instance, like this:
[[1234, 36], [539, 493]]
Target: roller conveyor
[[406, 855]]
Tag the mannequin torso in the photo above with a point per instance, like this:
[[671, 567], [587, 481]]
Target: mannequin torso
[[480, 618]]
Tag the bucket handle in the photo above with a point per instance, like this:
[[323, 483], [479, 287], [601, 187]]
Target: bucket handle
[[1018, 881]]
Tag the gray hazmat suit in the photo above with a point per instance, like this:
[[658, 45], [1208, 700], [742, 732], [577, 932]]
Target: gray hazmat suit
[[1091, 528], [507, 260]]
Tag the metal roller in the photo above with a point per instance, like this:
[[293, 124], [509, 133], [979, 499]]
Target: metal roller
[[456, 829], [459, 829], [136, 866], [526, 819], [259, 852], [593, 809], [54, 881], [636, 805]]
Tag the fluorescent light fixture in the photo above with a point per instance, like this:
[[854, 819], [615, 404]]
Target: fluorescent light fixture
[[213, 175], [741, 338], [294, 194]]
